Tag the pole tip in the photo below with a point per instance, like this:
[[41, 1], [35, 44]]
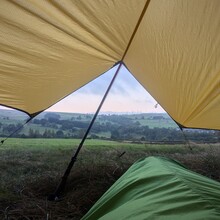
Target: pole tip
[[53, 197]]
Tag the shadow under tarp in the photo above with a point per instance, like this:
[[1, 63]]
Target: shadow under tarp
[[159, 188]]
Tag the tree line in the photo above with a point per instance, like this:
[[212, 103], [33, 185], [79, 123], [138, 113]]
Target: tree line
[[116, 126]]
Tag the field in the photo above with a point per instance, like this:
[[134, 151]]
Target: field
[[145, 127], [150, 119], [31, 169]]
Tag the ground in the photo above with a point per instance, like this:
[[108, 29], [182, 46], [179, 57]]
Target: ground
[[31, 169]]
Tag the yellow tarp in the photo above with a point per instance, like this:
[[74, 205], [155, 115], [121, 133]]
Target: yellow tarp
[[49, 49]]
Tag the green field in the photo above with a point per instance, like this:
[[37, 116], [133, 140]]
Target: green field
[[39, 144], [31, 169], [145, 127]]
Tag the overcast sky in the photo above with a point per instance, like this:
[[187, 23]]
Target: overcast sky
[[126, 95]]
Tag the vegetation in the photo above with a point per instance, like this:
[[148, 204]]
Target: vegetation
[[31, 169], [136, 127], [32, 164]]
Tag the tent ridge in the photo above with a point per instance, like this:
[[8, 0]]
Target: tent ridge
[[136, 27]]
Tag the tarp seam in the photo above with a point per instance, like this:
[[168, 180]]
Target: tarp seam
[[136, 28]]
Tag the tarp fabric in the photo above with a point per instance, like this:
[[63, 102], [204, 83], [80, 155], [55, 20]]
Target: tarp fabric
[[159, 188], [49, 49]]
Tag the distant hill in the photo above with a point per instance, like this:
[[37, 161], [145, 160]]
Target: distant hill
[[160, 120], [132, 127]]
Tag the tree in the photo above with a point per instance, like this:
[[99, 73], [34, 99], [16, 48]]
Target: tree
[[34, 133], [79, 117], [80, 133], [137, 123], [59, 134], [47, 134], [10, 128], [142, 138], [94, 136], [31, 133], [52, 116], [115, 135]]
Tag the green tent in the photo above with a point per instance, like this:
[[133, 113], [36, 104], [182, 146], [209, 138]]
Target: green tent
[[159, 188]]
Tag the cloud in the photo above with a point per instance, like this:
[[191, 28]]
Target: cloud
[[126, 95]]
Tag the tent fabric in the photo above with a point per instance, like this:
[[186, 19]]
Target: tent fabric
[[48, 49], [159, 188]]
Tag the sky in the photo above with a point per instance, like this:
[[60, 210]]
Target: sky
[[126, 95]]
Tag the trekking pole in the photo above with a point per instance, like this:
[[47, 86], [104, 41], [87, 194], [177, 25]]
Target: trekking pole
[[62, 184]]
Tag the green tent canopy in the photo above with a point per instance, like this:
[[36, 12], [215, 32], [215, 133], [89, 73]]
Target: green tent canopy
[[48, 49], [161, 189]]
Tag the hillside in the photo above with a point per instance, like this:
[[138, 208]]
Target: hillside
[[152, 120], [131, 127]]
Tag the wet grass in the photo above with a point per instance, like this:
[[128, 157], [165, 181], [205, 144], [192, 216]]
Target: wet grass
[[31, 169]]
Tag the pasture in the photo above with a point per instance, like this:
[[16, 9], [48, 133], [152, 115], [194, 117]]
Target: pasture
[[31, 169]]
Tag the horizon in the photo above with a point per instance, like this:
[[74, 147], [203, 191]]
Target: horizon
[[89, 113], [126, 96]]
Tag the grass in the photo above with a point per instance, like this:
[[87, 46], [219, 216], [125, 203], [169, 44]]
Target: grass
[[31, 169]]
